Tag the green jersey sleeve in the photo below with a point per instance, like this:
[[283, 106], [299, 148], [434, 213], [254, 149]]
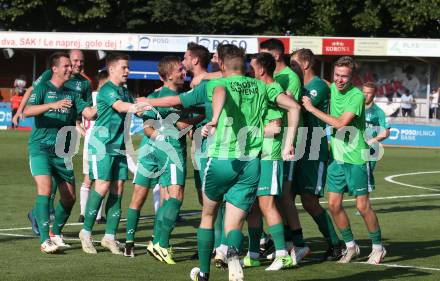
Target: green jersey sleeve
[[294, 87], [318, 93], [355, 105], [383, 120], [36, 97], [45, 76], [110, 97], [273, 90], [193, 97], [80, 104], [212, 84]]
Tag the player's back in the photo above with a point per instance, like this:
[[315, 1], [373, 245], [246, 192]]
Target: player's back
[[246, 105]]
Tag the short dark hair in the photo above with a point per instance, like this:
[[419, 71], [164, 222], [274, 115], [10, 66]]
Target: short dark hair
[[305, 55], [102, 75], [273, 45], [114, 57], [54, 59], [345, 61], [200, 52], [266, 61], [232, 56], [166, 64]]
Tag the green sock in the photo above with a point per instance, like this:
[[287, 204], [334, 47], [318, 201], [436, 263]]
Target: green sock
[[287, 233], [132, 222], [42, 216], [277, 232], [254, 238], [347, 235], [61, 215], [376, 237], [235, 239], [53, 193], [298, 239], [92, 207], [113, 212], [218, 226], [205, 245], [170, 214], [157, 228], [326, 228]]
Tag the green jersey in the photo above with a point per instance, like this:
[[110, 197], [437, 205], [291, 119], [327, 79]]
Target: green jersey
[[46, 127], [350, 147], [272, 146], [166, 129], [319, 94], [290, 82], [239, 130], [77, 82], [109, 127], [375, 117], [196, 97]]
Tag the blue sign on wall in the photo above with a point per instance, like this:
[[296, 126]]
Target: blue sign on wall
[[414, 135], [5, 114]]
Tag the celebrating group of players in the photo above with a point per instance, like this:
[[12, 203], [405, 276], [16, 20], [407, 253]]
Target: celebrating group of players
[[257, 142]]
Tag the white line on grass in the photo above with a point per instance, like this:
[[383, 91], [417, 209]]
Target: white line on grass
[[198, 212], [404, 266], [391, 179]]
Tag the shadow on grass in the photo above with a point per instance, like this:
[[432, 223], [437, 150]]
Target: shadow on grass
[[408, 209]]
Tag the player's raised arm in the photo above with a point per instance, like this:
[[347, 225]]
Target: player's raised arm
[[35, 105], [293, 115]]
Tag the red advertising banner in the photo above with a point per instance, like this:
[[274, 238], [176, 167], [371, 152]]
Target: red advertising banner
[[335, 46], [285, 40]]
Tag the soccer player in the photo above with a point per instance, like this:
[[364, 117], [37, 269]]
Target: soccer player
[[54, 107], [87, 128], [348, 170], [156, 160], [232, 172], [271, 165], [196, 61], [77, 82], [107, 160], [311, 168], [291, 84], [377, 127]]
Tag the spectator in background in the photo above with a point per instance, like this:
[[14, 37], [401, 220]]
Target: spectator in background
[[19, 89], [410, 82], [433, 103], [406, 103]]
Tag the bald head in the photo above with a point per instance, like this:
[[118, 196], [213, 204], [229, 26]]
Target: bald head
[[77, 59]]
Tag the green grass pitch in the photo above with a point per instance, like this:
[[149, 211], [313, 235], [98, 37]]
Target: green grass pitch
[[409, 217]]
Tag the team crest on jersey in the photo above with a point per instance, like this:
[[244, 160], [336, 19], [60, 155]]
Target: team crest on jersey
[[313, 93]]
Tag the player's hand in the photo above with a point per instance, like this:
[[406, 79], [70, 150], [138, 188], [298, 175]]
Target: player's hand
[[142, 106], [16, 118], [372, 141], [208, 129], [61, 104], [288, 153], [80, 130], [307, 103]]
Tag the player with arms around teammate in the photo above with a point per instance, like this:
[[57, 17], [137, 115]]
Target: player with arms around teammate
[[107, 159], [162, 155], [348, 170], [54, 107], [271, 165], [232, 172], [311, 168]]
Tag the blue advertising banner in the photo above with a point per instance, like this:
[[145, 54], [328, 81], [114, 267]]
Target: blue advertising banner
[[414, 135], [5, 114]]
